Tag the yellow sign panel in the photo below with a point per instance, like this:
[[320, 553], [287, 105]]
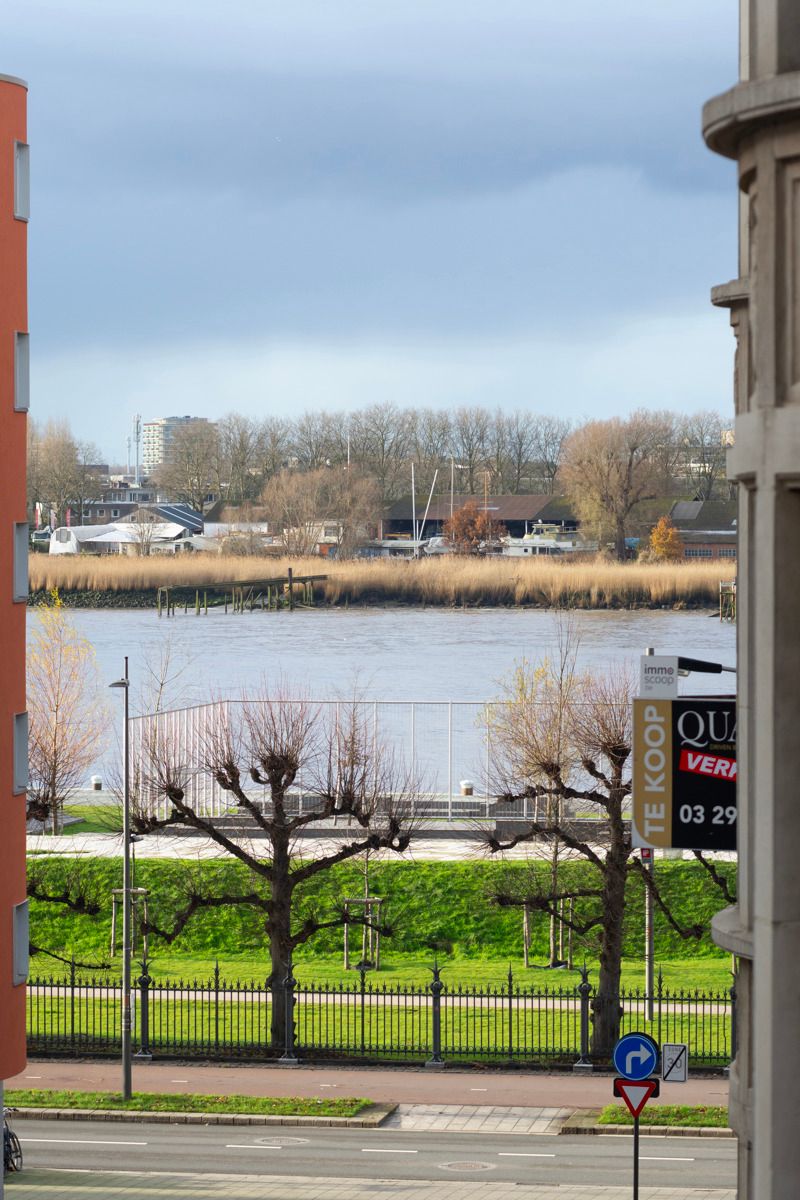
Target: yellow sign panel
[[652, 773]]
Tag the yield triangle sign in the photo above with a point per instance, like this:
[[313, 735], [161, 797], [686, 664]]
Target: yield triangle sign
[[635, 1095]]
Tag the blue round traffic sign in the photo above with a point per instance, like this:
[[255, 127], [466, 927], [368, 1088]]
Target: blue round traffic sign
[[635, 1056]]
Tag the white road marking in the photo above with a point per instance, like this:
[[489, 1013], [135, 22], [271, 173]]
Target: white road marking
[[78, 1142], [179, 1080], [663, 1158], [521, 1154], [31, 1077], [240, 1146], [387, 1150], [479, 1089]]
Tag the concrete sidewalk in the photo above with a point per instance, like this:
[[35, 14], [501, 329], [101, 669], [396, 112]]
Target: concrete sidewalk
[[403, 1085], [39, 1184]]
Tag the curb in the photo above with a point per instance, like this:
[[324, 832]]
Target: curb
[[371, 1118], [586, 1123]]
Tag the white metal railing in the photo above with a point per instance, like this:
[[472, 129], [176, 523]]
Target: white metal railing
[[436, 743]]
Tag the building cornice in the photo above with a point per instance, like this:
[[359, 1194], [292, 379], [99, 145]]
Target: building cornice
[[748, 107]]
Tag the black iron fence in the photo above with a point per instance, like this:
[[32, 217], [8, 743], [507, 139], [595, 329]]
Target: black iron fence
[[499, 1023]]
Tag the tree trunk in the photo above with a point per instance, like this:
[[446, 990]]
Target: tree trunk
[[606, 1007], [619, 539], [280, 928]]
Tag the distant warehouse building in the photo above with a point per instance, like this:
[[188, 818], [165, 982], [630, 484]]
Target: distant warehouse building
[[519, 514], [707, 528]]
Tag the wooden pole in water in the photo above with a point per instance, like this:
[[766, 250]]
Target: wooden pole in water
[[291, 588]]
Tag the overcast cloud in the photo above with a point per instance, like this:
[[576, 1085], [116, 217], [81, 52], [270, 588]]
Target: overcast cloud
[[267, 207]]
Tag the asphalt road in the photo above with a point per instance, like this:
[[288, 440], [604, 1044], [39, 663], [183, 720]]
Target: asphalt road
[[377, 1154]]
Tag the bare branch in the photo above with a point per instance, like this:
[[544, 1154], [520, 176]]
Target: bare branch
[[719, 879], [684, 931]]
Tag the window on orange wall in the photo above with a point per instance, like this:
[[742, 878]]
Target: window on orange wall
[[22, 372], [20, 560], [21, 940], [20, 753], [22, 181]]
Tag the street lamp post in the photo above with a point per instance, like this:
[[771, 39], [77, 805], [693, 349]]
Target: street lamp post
[[454, 466], [124, 683]]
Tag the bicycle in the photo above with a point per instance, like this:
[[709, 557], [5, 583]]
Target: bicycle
[[12, 1151]]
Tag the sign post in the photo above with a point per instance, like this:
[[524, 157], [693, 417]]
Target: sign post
[[635, 1058], [675, 1062]]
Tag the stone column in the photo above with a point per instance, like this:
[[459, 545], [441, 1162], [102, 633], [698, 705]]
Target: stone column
[[757, 123]]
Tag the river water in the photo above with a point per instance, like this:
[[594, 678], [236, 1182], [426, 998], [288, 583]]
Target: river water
[[391, 655], [383, 654]]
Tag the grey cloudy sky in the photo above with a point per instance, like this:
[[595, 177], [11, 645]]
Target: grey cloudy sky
[[270, 206]]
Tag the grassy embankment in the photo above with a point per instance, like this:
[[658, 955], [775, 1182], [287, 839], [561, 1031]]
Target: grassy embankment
[[537, 582], [441, 909], [678, 1116], [285, 1106]]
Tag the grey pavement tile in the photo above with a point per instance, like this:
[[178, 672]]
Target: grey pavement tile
[[76, 1185]]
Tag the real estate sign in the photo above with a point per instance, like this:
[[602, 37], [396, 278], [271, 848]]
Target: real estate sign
[[684, 773]]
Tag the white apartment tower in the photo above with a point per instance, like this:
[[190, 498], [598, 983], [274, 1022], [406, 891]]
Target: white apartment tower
[[157, 438]]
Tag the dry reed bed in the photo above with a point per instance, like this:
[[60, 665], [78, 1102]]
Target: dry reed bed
[[453, 581]]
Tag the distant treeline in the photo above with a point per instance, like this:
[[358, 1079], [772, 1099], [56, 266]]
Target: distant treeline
[[475, 448]]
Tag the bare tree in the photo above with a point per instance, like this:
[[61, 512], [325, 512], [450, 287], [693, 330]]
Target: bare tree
[[272, 450], [239, 451], [193, 467], [295, 504], [382, 439], [549, 435], [143, 522], [347, 775], [355, 506], [563, 741], [62, 472], [432, 445], [520, 449], [300, 504], [702, 452], [610, 466], [313, 439], [471, 443], [67, 719]]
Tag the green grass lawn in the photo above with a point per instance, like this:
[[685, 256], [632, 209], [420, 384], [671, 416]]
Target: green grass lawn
[[383, 1023], [442, 910], [676, 1115], [93, 818], [288, 1106], [704, 974]]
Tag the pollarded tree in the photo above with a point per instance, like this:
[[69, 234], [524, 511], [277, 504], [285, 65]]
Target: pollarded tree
[[67, 719], [347, 775], [563, 741]]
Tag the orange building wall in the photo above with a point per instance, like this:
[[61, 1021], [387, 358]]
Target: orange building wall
[[13, 318]]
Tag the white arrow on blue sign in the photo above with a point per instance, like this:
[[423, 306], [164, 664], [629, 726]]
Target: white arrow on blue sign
[[635, 1056]]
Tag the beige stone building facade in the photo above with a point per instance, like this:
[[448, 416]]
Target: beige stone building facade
[[757, 123]]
